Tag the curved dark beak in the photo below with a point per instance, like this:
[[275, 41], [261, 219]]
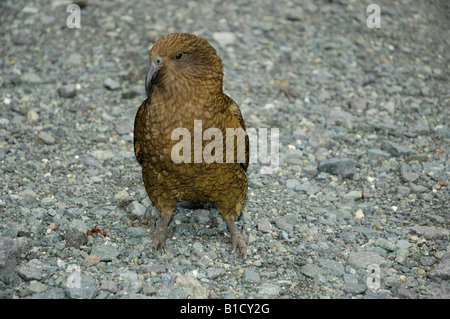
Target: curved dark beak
[[149, 79]]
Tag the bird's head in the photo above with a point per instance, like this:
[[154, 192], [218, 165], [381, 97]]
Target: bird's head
[[183, 64]]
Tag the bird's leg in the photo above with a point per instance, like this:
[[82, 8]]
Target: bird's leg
[[159, 233], [238, 239]]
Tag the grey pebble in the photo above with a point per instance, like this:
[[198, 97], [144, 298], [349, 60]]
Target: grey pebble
[[269, 289], [106, 252], [75, 239], [442, 269], [111, 84], [201, 216], [430, 232], [9, 277], [311, 270], [286, 222], [67, 91], [31, 271], [251, 277], [22, 231], [264, 225], [365, 258], [131, 283], [332, 266], [9, 253], [214, 273], [84, 287], [136, 210], [338, 166], [396, 149], [47, 138]]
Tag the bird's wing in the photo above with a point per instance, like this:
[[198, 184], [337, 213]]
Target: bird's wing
[[236, 111], [138, 131]]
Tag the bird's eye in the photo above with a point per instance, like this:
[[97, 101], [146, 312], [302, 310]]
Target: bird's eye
[[178, 56]]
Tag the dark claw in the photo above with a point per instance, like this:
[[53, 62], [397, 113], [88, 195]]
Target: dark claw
[[239, 240], [158, 235]]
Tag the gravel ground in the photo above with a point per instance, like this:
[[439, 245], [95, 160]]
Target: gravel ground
[[357, 209]]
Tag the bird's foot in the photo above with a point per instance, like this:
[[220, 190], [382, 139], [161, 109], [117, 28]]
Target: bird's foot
[[158, 236], [239, 240]]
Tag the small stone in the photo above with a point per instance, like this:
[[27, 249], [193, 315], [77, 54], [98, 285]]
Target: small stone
[[385, 244], [157, 268], [389, 107], [338, 166], [427, 260], [376, 154], [191, 286], [111, 84], [293, 183], [311, 270], [402, 254], [8, 252], [136, 210], [358, 104], [214, 273], [89, 161], [310, 171], [359, 214], [201, 216], [131, 282], [355, 195], [442, 269], [251, 277], [9, 277], [269, 289], [31, 271], [354, 288], [396, 150], [4, 122], [92, 260], [406, 293], [332, 266], [264, 225], [439, 290], [30, 78], [67, 91], [32, 116], [365, 258], [76, 239], [74, 59], [286, 222], [21, 230], [420, 127], [224, 38], [47, 138], [83, 287], [36, 287], [418, 189], [109, 285], [103, 154], [121, 195], [295, 14], [407, 174], [122, 129], [107, 253], [430, 233]]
